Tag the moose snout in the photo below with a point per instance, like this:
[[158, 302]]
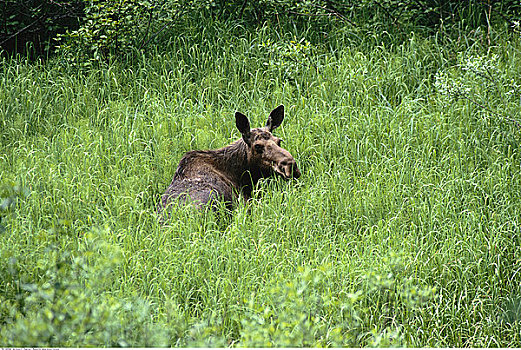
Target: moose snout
[[290, 169]]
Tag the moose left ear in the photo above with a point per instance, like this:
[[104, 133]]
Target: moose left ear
[[243, 124], [275, 119]]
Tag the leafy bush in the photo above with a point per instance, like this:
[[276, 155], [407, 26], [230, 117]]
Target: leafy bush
[[305, 313], [110, 28], [68, 305], [288, 56], [475, 78]]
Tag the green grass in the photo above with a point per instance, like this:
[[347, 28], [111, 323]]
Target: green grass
[[403, 193]]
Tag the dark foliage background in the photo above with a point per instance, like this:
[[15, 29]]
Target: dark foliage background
[[96, 29], [29, 26]]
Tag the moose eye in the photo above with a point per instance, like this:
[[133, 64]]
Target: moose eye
[[259, 148]]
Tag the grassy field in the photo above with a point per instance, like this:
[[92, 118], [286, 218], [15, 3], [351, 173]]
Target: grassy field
[[404, 229]]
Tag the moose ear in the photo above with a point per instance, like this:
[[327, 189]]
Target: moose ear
[[243, 124], [275, 119]]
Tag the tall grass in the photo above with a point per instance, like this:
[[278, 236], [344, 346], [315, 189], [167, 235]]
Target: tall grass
[[404, 228]]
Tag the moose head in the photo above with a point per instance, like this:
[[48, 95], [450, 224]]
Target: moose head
[[265, 153]]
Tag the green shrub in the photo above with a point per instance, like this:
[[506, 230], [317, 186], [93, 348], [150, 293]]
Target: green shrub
[[476, 79], [69, 306], [114, 28], [304, 312]]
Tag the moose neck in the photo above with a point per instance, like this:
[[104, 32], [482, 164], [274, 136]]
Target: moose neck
[[233, 161]]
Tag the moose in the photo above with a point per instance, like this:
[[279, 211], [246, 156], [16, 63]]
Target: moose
[[204, 177]]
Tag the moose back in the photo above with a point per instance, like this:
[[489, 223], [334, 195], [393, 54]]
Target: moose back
[[203, 177]]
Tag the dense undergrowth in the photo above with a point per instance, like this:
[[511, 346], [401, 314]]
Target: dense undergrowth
[[404, 228]]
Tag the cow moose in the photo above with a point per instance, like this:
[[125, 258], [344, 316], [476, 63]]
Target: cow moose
[[204, 177]]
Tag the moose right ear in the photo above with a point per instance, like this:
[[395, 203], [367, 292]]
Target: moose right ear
[[275, 119], [243, 124]]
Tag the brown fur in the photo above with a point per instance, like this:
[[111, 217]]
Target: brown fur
[[222, 174]]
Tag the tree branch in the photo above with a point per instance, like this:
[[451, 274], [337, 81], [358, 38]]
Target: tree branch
[[336, 13], [166, 25], [20, 31], [507, 118]]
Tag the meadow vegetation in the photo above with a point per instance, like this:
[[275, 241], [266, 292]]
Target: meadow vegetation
[[403, 230]]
